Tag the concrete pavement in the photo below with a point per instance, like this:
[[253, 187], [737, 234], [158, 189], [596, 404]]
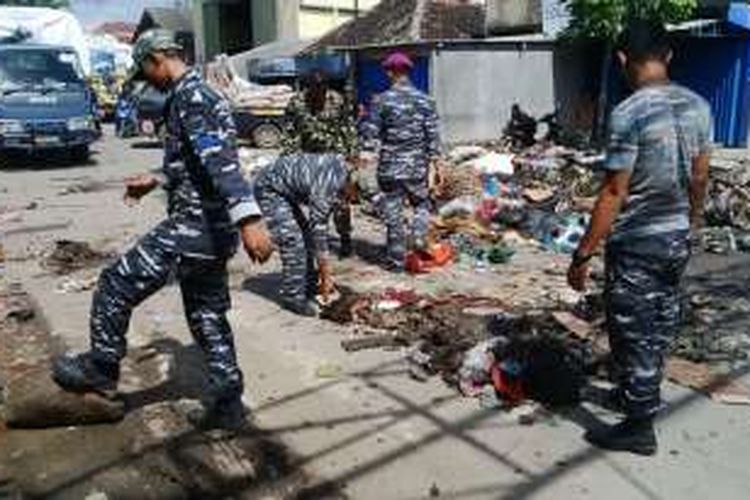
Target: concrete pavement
[[370, 428]]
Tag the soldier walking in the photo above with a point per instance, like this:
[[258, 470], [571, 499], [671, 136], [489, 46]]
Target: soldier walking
[[402, 131], [657, 169], [208, 201], [319, 183]]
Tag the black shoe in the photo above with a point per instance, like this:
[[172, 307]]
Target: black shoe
[[86, 373], [228, 415], [305, 308], [630, 435]]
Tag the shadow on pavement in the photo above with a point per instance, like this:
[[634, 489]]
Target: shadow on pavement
[[52, 160]]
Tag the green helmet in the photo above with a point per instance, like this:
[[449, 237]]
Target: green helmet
[[153, 40]]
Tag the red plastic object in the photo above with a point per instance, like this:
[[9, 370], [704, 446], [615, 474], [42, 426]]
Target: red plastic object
[[439, 255], [509, 388]]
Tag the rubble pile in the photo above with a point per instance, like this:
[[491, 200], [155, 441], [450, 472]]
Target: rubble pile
[[471, 342], [538, 189], [243, 94], [727, 205]]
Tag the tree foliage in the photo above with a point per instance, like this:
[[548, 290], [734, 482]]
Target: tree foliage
[[604, 19], [55, 4]]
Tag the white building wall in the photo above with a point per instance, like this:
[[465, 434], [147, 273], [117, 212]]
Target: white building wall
[[475, 89]]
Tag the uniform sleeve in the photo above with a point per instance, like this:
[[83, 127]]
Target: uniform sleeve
[[372, 127], [212, 136], [705, 130], [432, 130], [622, 147]]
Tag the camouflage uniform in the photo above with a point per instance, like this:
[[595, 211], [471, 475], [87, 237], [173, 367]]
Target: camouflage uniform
[[331, 131], [643, 306], [403, 130], [655, 135], [207, 199], [282, 189]]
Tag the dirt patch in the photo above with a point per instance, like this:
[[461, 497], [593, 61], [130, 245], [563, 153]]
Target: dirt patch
[[70, 256], [151, 453]]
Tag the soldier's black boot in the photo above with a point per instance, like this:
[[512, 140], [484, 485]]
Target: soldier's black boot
[[227, 414], [347, 249], [86, 372], [631, 435]]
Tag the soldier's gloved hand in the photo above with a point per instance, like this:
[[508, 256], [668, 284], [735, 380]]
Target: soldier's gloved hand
[[139, 186], [256, 240]]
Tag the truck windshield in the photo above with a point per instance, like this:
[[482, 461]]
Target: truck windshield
[[44, 68]]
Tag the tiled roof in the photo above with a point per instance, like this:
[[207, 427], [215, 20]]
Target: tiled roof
[[406, 21]]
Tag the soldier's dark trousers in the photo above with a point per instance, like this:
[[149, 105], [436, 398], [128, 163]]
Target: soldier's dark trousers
[[291, 234], [395, 193], [144, 270], [643, 306]]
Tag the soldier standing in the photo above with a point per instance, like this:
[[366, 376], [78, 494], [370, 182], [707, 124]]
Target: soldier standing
[[284, 189], [208, 200], [320, 123], [657, 169], [402, 130]]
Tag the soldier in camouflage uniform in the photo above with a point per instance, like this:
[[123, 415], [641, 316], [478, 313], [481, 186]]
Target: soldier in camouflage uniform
[[208, 200], [283, 190], [320, 123], [402, 130], [657, 168]]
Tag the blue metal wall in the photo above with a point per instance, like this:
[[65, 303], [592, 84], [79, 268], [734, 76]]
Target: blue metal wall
[[717, 68]]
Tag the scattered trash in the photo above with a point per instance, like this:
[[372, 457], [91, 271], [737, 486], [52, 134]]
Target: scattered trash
[[370, 341], [438, 255], [70, 256], [494, 164], [702, 378]]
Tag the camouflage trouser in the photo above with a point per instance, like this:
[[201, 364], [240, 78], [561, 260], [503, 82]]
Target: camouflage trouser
[[395, 193], [143, 271], [643, 305], [293, 239]]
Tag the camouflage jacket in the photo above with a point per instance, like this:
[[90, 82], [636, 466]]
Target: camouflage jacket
[[314, 180], [331, 131], [402, 129], [206, 192]]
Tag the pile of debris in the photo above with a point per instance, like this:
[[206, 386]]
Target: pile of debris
[[467, 339], [728, 204], [543, 192], [243, 94]]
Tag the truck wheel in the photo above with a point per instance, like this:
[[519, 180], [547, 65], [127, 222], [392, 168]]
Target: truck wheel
[[267, 136], [80, 154]]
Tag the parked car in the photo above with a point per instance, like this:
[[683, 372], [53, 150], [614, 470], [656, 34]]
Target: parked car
[[140, 111], [45, 103]]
